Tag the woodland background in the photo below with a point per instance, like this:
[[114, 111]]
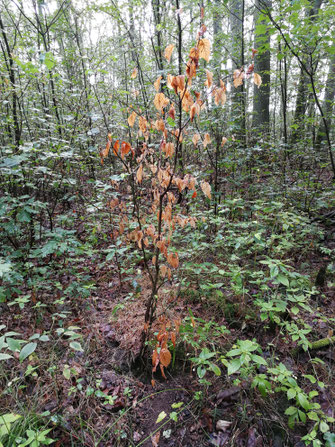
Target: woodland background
[[167, 215]]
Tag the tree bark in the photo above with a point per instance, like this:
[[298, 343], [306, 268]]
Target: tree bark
[[261, 105], [237, 56]]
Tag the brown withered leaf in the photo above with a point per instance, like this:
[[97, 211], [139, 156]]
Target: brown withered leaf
[[139, 174], [220, 96], [160, 125], [238, 78], [163, 270], [169, 149], [125, 148], [169, 81], [157, 83], [204, 46], [142, 122], [224, 141], [254, 52], [165, 357], [257, 79], [206, 189], [105, 152], [155, 358], [195, 110], [131, 119], [196, 139], [207, 140], [161, 101], [134, 73], [173, 260], [172, 112], [194, 53], [168, 52], [191, 70], [209, 80], [187, 101], [116, 147], [250, 69]]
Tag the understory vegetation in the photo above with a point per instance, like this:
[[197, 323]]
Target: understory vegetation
[[167, 223]]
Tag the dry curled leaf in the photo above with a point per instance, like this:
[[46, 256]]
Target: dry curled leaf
[[209, 80], [157, 83], [139, 174], [161, 101], [254, 52], [168, 52], [206, 189], [195, 110], [116, 147], [173, 260], [165, 357], [125, 148], [131, 119], [163, 270], [196, 139], [204, 47], [207, 140], [238, 78], [257, 79], [155, 439]]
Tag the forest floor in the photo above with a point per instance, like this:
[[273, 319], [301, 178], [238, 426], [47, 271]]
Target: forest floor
[[102, 397]]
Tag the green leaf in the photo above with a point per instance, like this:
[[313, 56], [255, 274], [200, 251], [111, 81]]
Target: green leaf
[[201, 371], [9, 418], [234, 352], [174, 416], [312, 379], [259, 360], [27, 350], [291, 410], [295, 310], [49, 60], [177, 405], [44, 338], [67, 372], [283, 280], [13, 345], [5, 356], [76, 346], [313, 416], [234, 366], [303, 401], [330, 437], [216, 370], [162, 415], [302, 416], [324, 427], [291, 393]]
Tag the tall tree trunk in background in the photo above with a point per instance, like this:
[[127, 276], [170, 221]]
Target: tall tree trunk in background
[[237, 56], [303, 90], [219, 114], [328, 103], [156, 9], [261, 113], [8, 57], [217, 41], [283, 75]]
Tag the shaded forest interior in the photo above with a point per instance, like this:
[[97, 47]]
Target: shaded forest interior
[[167, 223]]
